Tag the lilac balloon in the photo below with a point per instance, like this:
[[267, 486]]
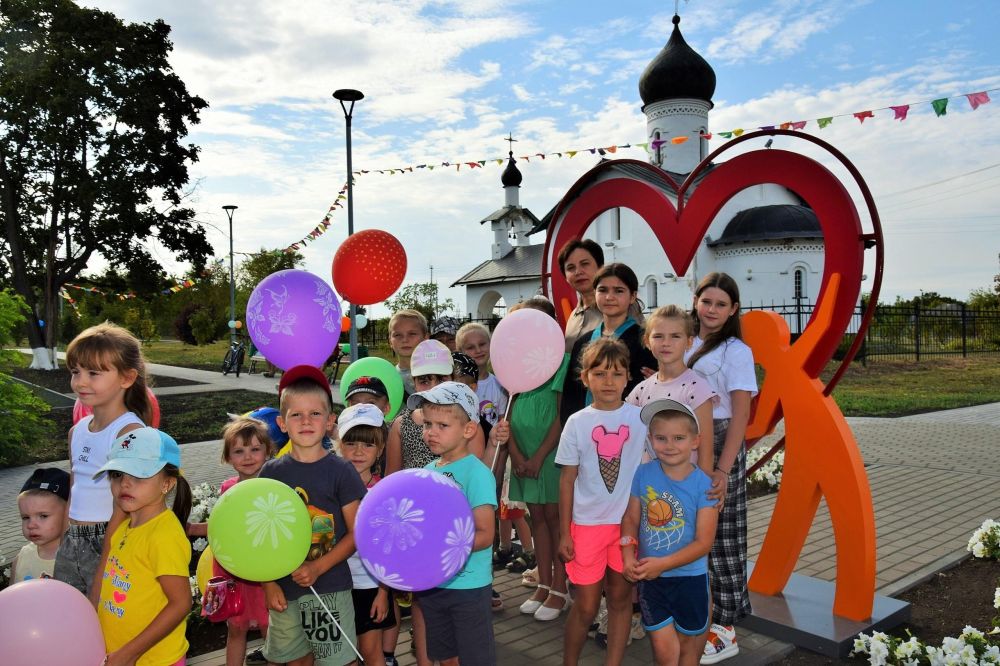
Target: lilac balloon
[[294, 319], [414, 530]]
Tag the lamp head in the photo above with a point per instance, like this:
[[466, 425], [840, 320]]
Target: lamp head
[[348, 95]]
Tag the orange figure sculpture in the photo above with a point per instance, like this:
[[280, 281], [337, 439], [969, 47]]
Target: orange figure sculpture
[[822, 460]]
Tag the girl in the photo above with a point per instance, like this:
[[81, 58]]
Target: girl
[[616, 288], [246, 445], [145, 595], [108, 375], [532, 437], [726, 362], [362, 440], [473, 339], [669, 334], [600, 449], [407, 329]]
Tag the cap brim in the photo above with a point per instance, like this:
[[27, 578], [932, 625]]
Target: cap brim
[[666, 405], [140, 469]]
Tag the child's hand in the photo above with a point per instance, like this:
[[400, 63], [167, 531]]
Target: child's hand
[[531, 468], [628, 570], [648, 568], [418, 416], [117, 659], [306, 574], [566, 551], [380, 607], [275, 597], [501, 432], [720, 485]]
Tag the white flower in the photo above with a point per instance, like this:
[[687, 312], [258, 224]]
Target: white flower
[[996, 598], [978, 550], [283, 323], [459, 543], [907, 649], [195, 592], [393, 523], [992, 654], [199, 544], [971, 632], [878, 652], [860, 645], [269, 518]]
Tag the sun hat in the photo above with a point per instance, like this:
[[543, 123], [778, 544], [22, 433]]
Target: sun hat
[[308, 372], [465, 365], [666, 405], [142, 453], [430, 357], [52, 479], [357, 415], [372, 385], [448, 393]]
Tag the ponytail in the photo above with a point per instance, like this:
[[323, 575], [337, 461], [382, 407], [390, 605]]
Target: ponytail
[[182, 494]]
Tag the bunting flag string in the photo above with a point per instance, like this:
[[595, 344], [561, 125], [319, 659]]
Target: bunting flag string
[[186, 284], [900, 113]]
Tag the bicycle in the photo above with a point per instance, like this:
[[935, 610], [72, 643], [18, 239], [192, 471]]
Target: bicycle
[[233, 362]]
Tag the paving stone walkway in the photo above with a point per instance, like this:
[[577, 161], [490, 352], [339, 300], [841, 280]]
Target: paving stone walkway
[[934, 478]]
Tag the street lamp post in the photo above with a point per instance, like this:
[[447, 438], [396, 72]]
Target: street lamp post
[[230, 209], [348, 95]]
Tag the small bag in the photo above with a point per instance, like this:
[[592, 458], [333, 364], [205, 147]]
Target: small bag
[[222, 599]]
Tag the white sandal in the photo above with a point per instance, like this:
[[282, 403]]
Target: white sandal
[[530, 578], [531, 605], [547, 614]]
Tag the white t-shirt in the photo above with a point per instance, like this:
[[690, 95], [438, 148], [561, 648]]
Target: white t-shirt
[[728, 367], [607, 447], [492, 398]]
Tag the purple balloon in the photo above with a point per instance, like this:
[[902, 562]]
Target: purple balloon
[[414, 530], [294, 319]]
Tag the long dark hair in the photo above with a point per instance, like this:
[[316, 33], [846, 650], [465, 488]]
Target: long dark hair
[[182, 498], [623, 273], [730, 329]]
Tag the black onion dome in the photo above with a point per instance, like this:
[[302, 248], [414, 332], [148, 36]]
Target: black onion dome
[[774, 222], [511, 176], [676, 72]]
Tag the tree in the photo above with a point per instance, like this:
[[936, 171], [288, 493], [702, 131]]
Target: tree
[[92, 119], [987, 298], [423, 297]]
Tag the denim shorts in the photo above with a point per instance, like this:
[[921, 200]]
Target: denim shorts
[[79, 555]]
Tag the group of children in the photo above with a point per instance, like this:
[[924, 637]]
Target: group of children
[[629, 459]]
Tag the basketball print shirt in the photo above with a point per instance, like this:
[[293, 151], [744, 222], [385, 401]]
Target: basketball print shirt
[[670, 513]]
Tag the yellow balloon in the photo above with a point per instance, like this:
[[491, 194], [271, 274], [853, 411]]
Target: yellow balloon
[[204, 569]]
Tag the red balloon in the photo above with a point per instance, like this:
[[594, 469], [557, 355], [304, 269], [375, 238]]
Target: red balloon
[[80, 410], [369, 267]]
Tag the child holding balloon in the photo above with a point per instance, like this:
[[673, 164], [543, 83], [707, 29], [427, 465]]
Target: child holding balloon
[[145, 595]]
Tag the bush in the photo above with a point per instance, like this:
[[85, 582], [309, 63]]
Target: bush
[[21, 420], [141, 326], [182, 324], [204, 327]]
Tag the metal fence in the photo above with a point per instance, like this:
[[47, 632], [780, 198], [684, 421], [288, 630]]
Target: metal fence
[[910, 332]]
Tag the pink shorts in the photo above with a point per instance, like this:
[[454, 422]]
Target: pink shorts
[[595, 548]]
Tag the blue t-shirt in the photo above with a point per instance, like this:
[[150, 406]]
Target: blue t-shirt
[[326, 486], [670, 513], [479, 487]]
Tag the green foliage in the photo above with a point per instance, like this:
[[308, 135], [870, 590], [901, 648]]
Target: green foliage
[[22, 420], [182, 324], [12, 316], [204, 326], [423, 297], [141, 326]]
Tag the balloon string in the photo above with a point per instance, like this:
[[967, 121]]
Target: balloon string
[[341, 629], [496, 454]]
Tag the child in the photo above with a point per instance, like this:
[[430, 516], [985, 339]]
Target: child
[[42, 504], [672, 522], [535, 427], [108, 375], [726, 362], [246, 445], [457, 614], [332, 491], [616, 288], [669, 334], [362, 440], [407, 329], [600, 449], [443, 330], [474, 339], [145, 595], [368, 390]]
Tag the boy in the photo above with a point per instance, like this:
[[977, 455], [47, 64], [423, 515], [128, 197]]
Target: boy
[[42, 505], [300, 632], [457, 614], [369, 390], [672, 522], [443, 330], [407, 329]]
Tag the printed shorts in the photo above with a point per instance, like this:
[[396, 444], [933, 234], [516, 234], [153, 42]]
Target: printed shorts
[[306, 627]]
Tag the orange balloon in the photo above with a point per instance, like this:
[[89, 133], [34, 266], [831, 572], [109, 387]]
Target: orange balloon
[[345, 324]]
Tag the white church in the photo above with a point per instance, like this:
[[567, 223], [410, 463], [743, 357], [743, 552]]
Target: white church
[[766, 236]]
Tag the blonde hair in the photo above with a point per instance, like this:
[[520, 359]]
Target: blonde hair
[[604, 353], [468, 328], [415, 315], [303, 386], [669, 312], [539, 303], [243, 429], [108, 346]]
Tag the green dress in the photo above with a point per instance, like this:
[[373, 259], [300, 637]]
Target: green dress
[[532, 415]]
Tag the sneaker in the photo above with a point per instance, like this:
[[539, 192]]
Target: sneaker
[[390, 659], [256, 658], [496, 601], [601, 633], [721, 644], [637, 632], [502, 557]]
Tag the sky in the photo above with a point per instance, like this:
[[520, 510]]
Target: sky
[[447, 80]]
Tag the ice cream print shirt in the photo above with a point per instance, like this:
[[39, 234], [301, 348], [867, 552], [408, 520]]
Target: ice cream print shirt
[[131, 596], [606, 447]]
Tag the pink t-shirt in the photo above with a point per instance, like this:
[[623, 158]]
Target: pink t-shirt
[[689, 387]]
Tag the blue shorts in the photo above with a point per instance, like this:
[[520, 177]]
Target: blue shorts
[[681, 600]]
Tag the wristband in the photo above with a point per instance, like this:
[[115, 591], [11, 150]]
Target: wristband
[[724, 471]]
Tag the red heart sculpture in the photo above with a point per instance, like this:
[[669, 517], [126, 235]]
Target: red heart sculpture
[[681, 229]]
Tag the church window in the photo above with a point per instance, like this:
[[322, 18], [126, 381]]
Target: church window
[[703, 144], [616, 224], [651, 295], [657, 156], [799, 277]]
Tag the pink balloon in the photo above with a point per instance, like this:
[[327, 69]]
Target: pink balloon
[[80, 410], [294, 319], [526, 350], [46, 621]]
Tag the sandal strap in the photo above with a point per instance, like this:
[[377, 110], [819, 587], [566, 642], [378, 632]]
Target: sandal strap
[[544, 587], [564, 595]]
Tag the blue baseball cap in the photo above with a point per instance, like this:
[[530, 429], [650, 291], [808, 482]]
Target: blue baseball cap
[[142, 453], [269, 415]]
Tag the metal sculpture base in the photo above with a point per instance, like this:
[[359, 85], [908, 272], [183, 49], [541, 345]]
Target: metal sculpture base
[[802, 615]]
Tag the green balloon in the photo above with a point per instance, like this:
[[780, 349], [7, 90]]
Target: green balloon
[[260, 530], [373, 366]]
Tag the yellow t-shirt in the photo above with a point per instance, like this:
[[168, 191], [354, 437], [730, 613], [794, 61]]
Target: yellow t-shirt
[[130, 594]]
